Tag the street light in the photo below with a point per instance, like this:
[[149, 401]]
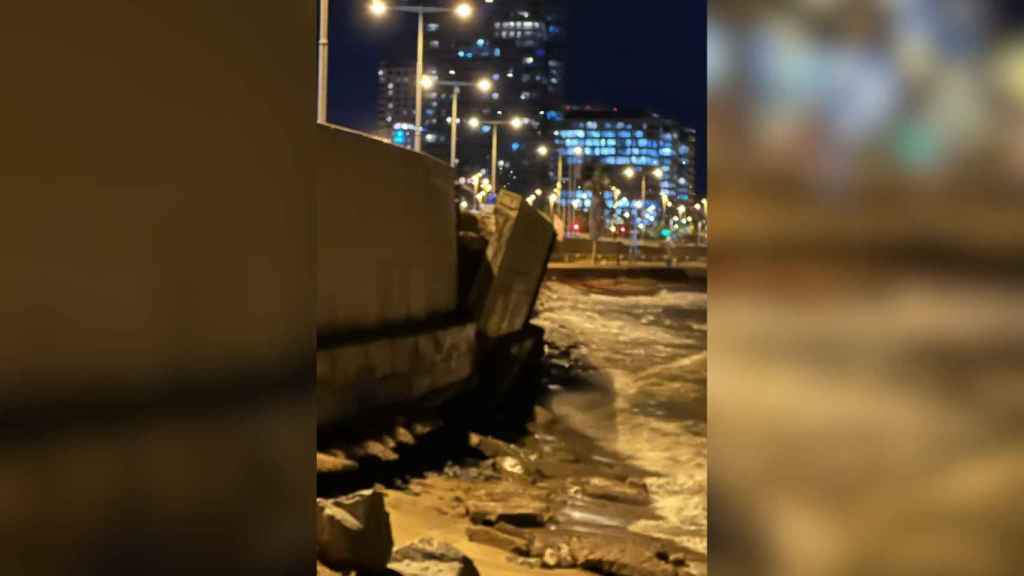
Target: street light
[[629, 172], [542, 151], [483, 85], [516, 123], [379, 8]]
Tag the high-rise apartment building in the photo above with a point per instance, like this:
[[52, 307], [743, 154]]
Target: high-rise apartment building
[[520, 46], [396, 104]]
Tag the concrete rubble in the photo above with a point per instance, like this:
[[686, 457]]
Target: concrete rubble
[[613, 491], [354, 532], [334, 462], [498, 539], [372, 449], [429, 557], [403, 436]]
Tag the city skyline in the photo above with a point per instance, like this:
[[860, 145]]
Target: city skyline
[[651, 58]]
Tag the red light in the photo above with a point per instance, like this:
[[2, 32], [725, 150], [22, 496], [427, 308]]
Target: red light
[[623, 229], [576, 227]]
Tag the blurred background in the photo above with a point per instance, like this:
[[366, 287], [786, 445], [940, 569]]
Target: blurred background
[[866, 349]]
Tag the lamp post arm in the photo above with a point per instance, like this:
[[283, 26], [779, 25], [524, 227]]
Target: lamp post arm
[[420, 9]]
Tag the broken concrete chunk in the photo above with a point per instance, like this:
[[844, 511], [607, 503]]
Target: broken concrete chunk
[[322, 570], [511, 465], [533, 563], [618, 558], [354, 532], [373, 449], [430, 557], [491, 447], [424, 427], [550, 558], [542, 416], [407, 568], [334, 462], [497, 539], [678, 559], [522, 512], [404, 437], [612, 491], [565, 557], [426, 549], [388, 442]]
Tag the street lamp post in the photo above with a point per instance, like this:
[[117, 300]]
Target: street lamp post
[[544, 151], [483, 85], [380, 8], [515, 123], [321, 101], [630, 173]]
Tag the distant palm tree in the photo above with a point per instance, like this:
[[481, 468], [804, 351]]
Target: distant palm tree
[[597, 181]]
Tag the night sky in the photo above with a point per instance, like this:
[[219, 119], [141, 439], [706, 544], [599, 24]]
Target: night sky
[[647, 54]]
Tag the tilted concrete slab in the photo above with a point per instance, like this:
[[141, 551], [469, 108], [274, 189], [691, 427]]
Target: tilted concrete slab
[[517, 255]]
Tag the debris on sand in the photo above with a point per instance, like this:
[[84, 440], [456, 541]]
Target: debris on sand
[[354, 532], [498, 539], [334, 462], [429, 557]]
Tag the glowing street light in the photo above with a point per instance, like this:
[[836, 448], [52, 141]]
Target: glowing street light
[[542, 151], [483, 85], [630, 173], [516, 123], [379, 8]]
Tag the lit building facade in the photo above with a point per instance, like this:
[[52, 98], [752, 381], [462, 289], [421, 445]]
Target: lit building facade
[[617, 140], [396, 104], [520, 46]]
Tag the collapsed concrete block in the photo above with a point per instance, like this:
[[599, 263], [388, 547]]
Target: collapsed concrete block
[[354, 532], [429, 557], [507, 285]]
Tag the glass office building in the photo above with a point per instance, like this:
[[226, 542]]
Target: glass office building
[[618, 140]]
